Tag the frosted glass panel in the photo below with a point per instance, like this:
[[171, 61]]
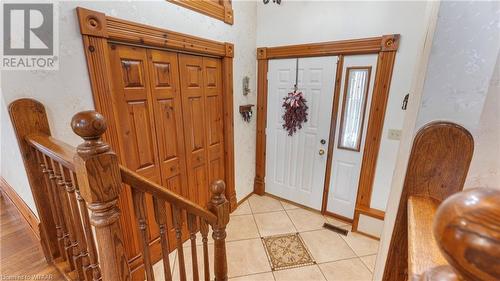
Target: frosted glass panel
[[353, 107]]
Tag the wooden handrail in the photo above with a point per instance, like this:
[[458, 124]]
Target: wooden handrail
[[57, 150], [423, 251], [136, 181]]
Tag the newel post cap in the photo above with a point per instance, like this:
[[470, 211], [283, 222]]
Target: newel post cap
[[90, 125]]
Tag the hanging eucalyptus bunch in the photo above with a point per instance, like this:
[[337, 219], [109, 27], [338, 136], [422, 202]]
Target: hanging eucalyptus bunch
[[295, 111]]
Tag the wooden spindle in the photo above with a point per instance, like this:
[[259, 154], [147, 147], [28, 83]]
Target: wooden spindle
[[54, 195], [204, 239], [80, 253], [51, 201], [99, 179], [161, 219], [140, 214], [177, 217], [219, 206], [193, 229], [93, 270], [70, 241]]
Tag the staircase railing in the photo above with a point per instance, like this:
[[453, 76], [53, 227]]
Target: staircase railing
[[76, 193]]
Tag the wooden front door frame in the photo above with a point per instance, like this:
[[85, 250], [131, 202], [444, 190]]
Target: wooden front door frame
[[386, 47], [98, 30]]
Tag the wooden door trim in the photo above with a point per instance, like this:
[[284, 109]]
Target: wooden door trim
[[222, 11], [98, 30], [386, 47]]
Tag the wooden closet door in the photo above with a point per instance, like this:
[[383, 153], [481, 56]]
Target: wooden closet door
[[193, 109], [137, 135], [214, 118], [164, 80], [203, 130]]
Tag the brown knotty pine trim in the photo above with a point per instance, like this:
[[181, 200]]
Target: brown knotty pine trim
[[331, 137], [223, 11], [98, 30], [386, 47], [380, 97], [363, 110], [260, 157], [21, 206]]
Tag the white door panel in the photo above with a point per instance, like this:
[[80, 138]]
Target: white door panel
[[346, 164], [294, 168]]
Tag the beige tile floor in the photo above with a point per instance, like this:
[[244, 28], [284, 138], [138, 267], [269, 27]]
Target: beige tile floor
[[338, 257]]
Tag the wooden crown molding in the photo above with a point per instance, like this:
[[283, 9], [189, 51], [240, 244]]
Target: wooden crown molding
[[370, 45], [229, 47], [97, 24], [92, 23], [261, 53], [390, 43], [222, 11]]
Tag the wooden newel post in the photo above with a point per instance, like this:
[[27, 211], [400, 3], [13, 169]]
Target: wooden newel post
[[98, 174], [221, 208]]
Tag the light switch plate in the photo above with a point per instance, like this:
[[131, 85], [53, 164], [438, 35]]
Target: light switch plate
[[394, 134]]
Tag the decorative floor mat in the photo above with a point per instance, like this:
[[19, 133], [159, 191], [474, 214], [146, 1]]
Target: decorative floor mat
[[287, 251]]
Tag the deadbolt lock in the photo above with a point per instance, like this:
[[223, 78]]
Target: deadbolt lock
[[322, 141]]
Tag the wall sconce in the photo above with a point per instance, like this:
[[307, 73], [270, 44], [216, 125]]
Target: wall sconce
[[246, 85], [246, 112]]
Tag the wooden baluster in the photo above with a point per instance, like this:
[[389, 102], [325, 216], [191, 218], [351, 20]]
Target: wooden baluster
[[219, 206], [193, 229], [177, 217], [70, 241], [93, 271], [140, 214], [161, 220], [204, 235], [80, 253], [99, 179], [54, 195], [45, 171]]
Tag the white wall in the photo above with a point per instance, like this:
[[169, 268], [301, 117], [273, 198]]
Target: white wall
[[296, 22], [67, 91], [484, 169]]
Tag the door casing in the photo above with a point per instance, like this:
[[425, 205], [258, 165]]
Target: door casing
[[386, 47]]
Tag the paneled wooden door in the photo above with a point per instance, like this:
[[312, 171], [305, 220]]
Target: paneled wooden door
[[170, 128], [201, 87]]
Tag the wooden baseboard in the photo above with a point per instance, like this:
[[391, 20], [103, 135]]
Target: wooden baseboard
[[367, 235], [21, 206]]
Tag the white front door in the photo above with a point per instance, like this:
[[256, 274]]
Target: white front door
[[352, 121], [295, 167]]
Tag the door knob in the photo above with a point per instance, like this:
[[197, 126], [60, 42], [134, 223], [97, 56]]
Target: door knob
[[321, 151]]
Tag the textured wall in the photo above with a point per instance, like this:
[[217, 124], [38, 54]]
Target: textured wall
[[67, 91], [484, 170], [464, 52]]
